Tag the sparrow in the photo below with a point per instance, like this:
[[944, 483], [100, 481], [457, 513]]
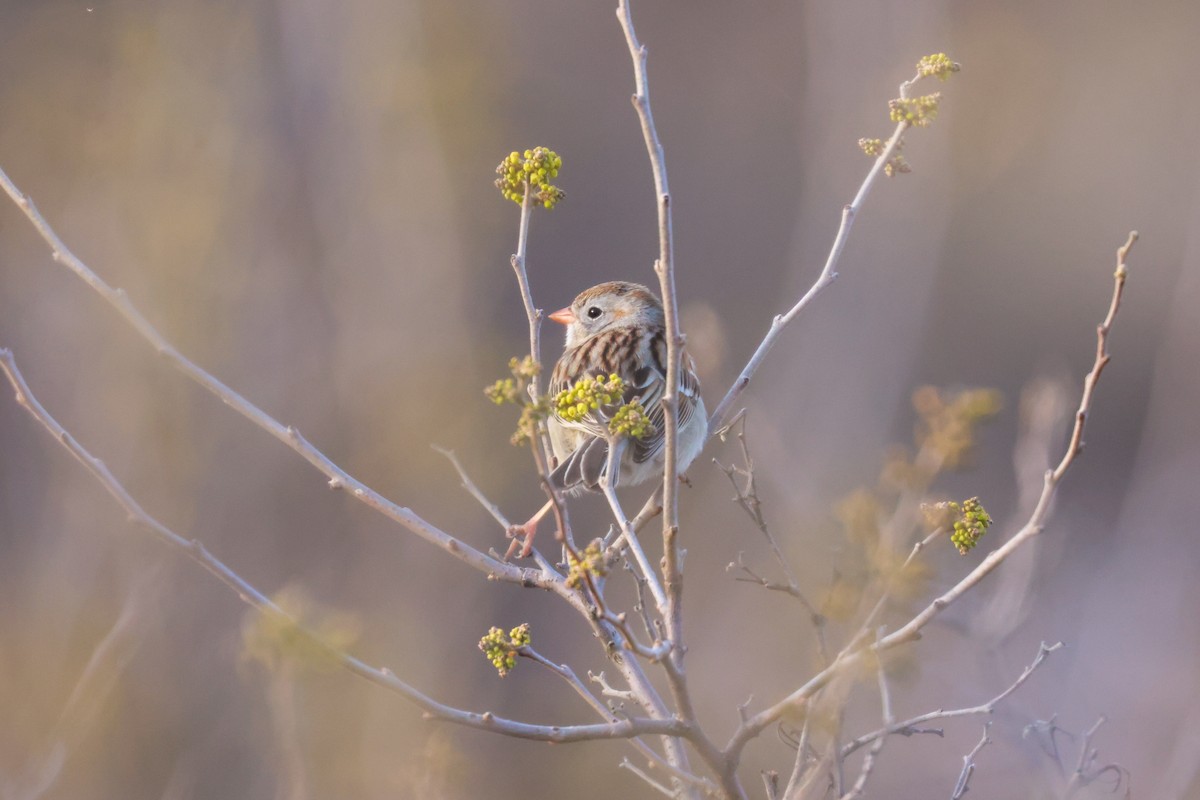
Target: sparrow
[[618, 328]]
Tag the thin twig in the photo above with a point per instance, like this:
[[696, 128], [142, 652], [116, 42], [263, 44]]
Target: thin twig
[[532, 313], [827, 276], [748, 500], [567, 674], [1041, 512], [964, 777], [800, 766], [606, 688], [653, 627], [636, 770], [889, 719], [474, 490], [909, 726], [1086, 771], [771, 784], [539, 442], [911, 630], [664, 267], [615, 450]]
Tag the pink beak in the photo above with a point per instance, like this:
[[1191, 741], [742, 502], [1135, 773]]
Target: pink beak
[[564, 316]]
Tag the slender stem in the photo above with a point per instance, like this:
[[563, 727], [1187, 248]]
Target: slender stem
[[661, 788], [627, 533], [194, 550], [964, 777], [909, 726], [665, 269], [827, 276], [474, 490], [532, 312], [567, 674], [868, 765]]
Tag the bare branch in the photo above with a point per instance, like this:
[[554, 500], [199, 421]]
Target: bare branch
[[532, 312], [338, 477], [636, 770], [964, 777], [747, 498], [911, 630], [1041, 512], [801, 764], [567, 674], [606, 688], [672, 564], [889, 719], [1087, 772], [827, 276], [194, 550], [474, 490], [909, 726], [650, 575], [771, 784], [653, 627]]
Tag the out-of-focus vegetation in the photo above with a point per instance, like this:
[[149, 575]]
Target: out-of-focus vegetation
[[298, 195]]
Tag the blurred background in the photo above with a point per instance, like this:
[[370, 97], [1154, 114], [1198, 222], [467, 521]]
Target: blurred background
[[299, 194]]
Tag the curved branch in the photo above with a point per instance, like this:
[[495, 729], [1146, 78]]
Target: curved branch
[[828, 274], [853, 653], [381, 676], [909, 726], [290, 436]]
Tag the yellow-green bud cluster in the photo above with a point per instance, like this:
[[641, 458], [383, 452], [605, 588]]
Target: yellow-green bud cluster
[[631, 420], [589, 562], [515, 390], [971, 525], [896, 165], [938, 66], [872, 147], [502, 391], [525, 368], [917, 111], [533, 168], [501, 649], [531, 414], [588, 395]]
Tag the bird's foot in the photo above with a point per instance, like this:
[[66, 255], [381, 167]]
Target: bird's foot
[[522, 537]]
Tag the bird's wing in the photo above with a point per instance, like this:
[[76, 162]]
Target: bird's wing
[[649, 380]]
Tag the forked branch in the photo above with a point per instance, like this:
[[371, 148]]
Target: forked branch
[[854, 653], [194, 550]]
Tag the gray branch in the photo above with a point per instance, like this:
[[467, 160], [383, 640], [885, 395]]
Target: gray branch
[[620, 729]]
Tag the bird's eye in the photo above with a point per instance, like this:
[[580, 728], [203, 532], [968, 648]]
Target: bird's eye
[[594, 312]]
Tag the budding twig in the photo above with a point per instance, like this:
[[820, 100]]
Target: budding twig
[[851, 654], [194, 550]]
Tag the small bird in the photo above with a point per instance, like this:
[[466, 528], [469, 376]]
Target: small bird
[[618, 328]]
